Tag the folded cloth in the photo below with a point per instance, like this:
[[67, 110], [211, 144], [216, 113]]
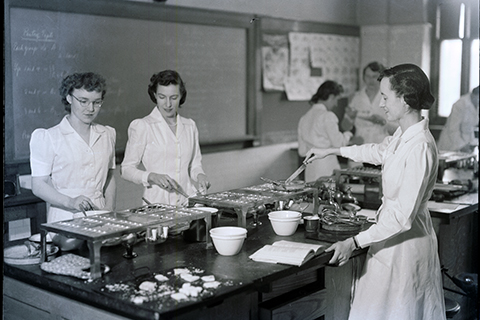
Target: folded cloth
[[68, 265]]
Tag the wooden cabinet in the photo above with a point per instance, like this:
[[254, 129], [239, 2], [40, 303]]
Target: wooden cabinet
[[23, 206]]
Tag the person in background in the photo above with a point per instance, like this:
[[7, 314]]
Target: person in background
[[401, 278], [459, 131], [72, 163], [318, 128], [364, 113], [167, 146]]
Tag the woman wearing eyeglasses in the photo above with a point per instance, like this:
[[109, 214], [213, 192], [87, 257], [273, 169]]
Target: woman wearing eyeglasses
[[72, 162]]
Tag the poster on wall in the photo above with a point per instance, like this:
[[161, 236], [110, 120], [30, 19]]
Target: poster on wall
[[275, 61], [315, 58]]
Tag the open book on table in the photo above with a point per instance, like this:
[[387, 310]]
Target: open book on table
[[288, 252]]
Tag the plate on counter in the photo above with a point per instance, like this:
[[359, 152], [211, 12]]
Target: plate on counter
[[20, 255], [36, 238]]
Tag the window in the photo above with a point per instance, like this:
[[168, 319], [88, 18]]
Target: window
[[457, 34], [474, 66], [450, 75]]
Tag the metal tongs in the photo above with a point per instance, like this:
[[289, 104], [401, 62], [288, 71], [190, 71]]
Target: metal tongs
[[298, 171]]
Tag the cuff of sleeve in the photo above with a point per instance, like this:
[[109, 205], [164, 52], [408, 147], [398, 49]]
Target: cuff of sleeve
[[362, 239], [145, 179]]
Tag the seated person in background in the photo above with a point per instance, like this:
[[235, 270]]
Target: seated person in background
[[459, 131], [318, 128], [72, 163], [364, 112], [167, 146]]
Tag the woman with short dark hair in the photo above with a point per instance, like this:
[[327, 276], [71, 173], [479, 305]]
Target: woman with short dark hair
[[166, 144], [318, 128], [401, 278]]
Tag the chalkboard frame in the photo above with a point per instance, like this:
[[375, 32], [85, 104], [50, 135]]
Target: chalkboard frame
[[143, 11]]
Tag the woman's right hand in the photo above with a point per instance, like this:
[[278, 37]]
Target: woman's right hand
[[163, 181], [81, 203]]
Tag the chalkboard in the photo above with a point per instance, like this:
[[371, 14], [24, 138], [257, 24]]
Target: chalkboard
[[127, 46]]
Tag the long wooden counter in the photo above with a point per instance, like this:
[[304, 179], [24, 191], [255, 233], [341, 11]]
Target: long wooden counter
[[251, 283], [255, 291]]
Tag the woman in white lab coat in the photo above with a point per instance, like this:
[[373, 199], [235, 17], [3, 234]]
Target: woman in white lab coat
[[401, 278], [166, 144], [72, 163], [318, 128]]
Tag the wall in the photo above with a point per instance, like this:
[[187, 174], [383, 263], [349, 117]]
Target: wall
[[327, 11], [240, 168]]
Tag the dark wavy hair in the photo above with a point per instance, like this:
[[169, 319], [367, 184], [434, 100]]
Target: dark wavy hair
[[409, 81], [165, 78], [374, 66], [325, 90], [89, 81]]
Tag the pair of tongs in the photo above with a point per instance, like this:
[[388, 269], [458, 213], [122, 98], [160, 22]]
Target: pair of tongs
[[298, 171]]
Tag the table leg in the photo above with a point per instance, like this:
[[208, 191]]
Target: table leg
[[241, 217], [95, 267], [208, 226], [43, 243]]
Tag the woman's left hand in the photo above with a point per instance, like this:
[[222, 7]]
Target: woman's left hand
[[203, 183], [343, 251]]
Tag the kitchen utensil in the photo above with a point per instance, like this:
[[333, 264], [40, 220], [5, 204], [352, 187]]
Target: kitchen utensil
[[228, 240], [275, 183], [83, 210], [285, 222], [26, 254], [311, 223], [298, 171]]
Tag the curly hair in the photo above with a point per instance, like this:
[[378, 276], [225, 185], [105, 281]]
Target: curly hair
[[89, 81], [325, 90], [165, 78], [409, 81]]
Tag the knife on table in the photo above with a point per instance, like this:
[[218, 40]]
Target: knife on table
[[297, 172]]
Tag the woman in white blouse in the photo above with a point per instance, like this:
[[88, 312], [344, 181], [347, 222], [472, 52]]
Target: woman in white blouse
[[72, 163], [318, 128], [166, 144], [401, 278]]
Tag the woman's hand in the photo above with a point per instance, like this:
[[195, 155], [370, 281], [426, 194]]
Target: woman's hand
[[203, 183], [163, 181], [82, 203], [343, 251]]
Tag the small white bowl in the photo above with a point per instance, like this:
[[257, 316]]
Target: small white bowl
[[284, 227], [228, 231], [285, 215], [228, 241]]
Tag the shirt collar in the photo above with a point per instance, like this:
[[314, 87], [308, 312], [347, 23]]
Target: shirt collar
[[66, 128], [414, 130], [157, 116], [319, 106]]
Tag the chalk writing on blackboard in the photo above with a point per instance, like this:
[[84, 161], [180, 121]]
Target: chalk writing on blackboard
[[48, 45]]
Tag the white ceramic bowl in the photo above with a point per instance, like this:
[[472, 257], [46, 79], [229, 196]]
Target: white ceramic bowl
[[285, 223], [228, 240], [285, 215]]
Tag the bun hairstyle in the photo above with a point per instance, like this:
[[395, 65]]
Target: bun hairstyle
[[374, 66], [165, 78], [89, 81], [325, 90], [409, 81]]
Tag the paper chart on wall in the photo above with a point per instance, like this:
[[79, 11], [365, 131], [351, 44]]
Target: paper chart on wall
[[275, 61], [336, 57]]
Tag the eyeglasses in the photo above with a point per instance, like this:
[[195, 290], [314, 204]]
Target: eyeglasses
[[85, 103]]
